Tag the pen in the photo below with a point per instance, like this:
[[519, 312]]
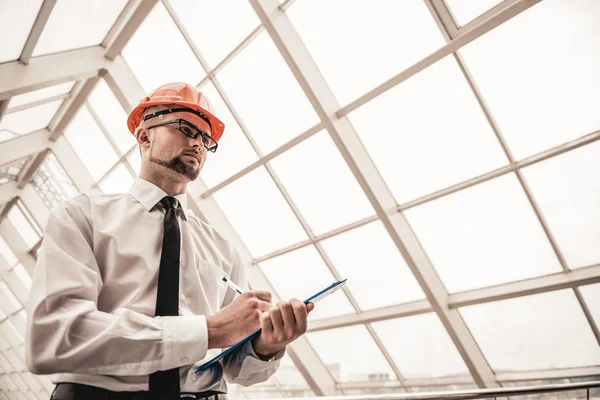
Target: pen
[[232, 285]]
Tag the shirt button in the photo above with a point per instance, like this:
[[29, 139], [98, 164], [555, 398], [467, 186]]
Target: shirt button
[[184, 359], [194, 377], [183, 297], [181, 259]]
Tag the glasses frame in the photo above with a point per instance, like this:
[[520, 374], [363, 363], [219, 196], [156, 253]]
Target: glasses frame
[[205, 136]]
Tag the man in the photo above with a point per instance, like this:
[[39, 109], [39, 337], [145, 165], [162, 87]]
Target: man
[[125, 302]]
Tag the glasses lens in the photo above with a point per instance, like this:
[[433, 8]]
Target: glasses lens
[[188, 129], [209, 143]]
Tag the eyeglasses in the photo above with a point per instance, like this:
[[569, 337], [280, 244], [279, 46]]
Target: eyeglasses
[[191, 131]]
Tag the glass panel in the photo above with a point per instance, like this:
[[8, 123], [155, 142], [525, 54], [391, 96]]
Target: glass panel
[[7, 253], [567, 189], [10, 333], [236, 16], [24, 227], [367, 44], [421, 347], [18, 323], [143, 53], [259, 213], [74, 24], [16, 20], [418, 154], [464, 11], [14, 303], [369, 259], [113, 116], [539, 332], [23, 275], [41, 94], [4, 363], [119, 180], [135, 160], [31, 119], [335, 346], [484, 235], [540, 100], [234, 152], [14, 359], [90, 144], [266, 95], [52, 183], [11, 171], [591, 295], [310, 168], [302, 273]]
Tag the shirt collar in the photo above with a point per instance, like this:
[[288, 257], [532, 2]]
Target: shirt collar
[[148, 194]]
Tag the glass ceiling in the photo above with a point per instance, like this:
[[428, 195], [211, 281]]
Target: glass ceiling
[[472, 182]]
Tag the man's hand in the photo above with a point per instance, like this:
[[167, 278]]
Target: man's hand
[[281, 325], [237, 320]]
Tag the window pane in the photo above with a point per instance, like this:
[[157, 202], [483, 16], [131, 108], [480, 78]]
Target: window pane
[[234, 152], [369, 259], [232, 19], [302, 273], [421, 347], [539, 332], [119, 180], [16, 19], [464, 11], [31, 119], [591, 295], [347, 362], [539, 99], [310, 168], [7, 253], [10, 172], [41, 94], [367, 44], [443, 140], [23, 275], [113, 116], [24, 227], [52, 183], [266, 95], [158, 56], [90, 144], [14, 303], [484, 235], [259, 213], [74, 24], [567, 189], [135, 159]]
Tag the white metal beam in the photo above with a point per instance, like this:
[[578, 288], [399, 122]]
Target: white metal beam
[[23, 146], [3, 107], [17, 245], [44, 71], [123, 83], [9, 191], [72, 165], [36, 30], [30, 168], [128, 22]]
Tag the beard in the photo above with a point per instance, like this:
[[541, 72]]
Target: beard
[[177, 165]]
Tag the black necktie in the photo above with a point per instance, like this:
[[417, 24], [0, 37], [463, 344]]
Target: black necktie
[[165, 384]]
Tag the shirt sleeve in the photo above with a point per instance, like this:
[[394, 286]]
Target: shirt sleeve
[[244, 367], [66, 333]]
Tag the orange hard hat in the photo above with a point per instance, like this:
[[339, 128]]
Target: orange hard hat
[[181, 94]]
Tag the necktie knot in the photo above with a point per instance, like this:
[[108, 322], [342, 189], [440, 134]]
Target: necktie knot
[[169, 202]]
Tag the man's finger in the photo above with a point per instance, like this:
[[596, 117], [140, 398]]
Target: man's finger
[[266, 324], [289, 323], [300, 313], [310, 307], [276, 319], [263, 295]]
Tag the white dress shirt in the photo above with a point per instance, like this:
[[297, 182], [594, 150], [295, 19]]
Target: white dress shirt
[[92, 305]]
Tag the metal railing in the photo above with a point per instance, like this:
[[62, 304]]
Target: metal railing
[[495, 393]]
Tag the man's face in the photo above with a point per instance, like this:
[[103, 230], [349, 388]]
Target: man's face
[[171, 149]]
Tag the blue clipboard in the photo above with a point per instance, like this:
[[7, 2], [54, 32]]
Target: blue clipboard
[[312, 299]]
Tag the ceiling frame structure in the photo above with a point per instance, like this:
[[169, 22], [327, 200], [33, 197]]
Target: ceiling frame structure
[[88, 65]]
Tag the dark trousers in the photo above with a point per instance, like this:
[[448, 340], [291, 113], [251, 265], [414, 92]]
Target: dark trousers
[[77, 391]]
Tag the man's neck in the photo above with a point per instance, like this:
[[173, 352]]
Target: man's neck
[[166, 183]]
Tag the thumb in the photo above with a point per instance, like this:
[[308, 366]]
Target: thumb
[[310, 307], [263, 295]]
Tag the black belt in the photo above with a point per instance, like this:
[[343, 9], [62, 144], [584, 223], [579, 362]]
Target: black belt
[[78, 391]]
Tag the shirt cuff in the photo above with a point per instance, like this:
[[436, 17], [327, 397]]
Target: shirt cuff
[[185, 340], [250, 351]]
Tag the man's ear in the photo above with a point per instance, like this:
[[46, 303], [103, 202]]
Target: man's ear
[[142, 136]]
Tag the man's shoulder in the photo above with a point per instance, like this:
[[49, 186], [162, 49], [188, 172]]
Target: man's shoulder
[[84, 202]]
